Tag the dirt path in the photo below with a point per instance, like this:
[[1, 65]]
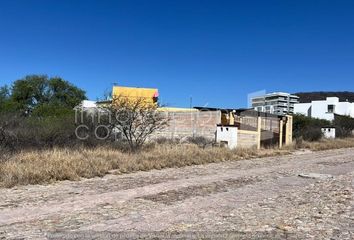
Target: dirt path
[[258, 198]]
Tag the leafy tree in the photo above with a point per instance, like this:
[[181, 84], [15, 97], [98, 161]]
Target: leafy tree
[[30, 91], [38, 93], [6, 104], [4, 93], [344, 125], [64, 93], [49, 117]]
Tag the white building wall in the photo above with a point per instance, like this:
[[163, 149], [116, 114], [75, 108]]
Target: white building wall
[[88, 104], [352, 110], [345, 108], [319, 109], [303, 108], [329, 132], [227, 134]]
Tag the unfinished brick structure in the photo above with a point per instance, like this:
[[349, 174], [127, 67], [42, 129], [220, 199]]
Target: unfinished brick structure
[[191, 124], [254, 129]]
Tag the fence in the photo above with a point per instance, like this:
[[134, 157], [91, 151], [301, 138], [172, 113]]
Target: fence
[[254, 128], [191, 124]]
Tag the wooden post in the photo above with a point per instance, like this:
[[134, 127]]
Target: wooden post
[[259, 131], [281, 133]]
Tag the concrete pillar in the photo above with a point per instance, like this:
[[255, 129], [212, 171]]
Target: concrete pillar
[[259, 131], [195, 123], [231, 118], [281, 123], [289, 130]]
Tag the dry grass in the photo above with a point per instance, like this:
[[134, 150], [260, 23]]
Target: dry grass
[[325, 144], [46, 166]]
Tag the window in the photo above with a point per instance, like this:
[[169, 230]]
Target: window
[[330, 108]]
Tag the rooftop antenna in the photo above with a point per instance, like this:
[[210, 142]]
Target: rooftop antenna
[[190, 101]]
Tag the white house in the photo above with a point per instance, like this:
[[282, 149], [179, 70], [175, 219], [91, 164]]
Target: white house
[[325, 109]]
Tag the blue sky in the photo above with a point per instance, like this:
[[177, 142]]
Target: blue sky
[[215, 51]]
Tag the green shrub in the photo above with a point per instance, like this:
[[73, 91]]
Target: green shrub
[[344, 125], [307, 128], [17, 132]]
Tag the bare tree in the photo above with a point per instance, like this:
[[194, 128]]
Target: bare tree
[[136, 118]]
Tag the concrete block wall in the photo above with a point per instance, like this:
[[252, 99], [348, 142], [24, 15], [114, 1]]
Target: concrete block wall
[[247, 139], [270, 124], [191, 124], [204, 123]]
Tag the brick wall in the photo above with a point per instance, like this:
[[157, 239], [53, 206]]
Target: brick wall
[[189, 124]]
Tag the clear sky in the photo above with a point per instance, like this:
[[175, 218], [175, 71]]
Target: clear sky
[[215, 51]]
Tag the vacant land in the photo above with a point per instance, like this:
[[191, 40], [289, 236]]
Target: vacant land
[[42, 166], [258, 198]]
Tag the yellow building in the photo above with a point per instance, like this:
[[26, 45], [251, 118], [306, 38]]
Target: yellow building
[[150, 95]]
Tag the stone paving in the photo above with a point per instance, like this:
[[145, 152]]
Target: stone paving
[[301, 196]]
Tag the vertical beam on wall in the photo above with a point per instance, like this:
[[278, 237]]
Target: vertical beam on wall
[[193, 123], [289, 130], [197, 126], [281, 133], [217, 120], [218, 117], [232, 118], [259, 132], [173, 125]]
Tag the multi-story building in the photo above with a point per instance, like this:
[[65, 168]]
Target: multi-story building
[[325, 109], [276, 103]]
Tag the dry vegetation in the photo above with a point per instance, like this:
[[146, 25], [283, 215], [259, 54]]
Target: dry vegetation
[[46, 166], [326, 144]]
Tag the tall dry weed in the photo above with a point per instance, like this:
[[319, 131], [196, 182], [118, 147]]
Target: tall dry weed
[[46, 166]]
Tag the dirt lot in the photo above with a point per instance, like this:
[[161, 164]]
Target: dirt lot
[[258, 199]]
